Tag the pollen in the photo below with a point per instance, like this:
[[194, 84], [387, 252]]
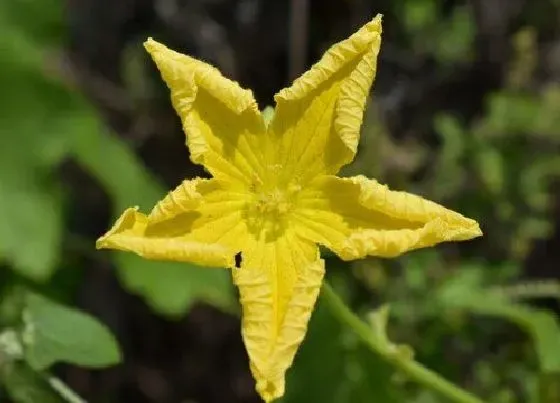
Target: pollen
[[272, 203]]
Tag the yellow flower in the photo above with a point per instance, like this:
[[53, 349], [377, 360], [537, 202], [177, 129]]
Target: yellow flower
[[274, 196]]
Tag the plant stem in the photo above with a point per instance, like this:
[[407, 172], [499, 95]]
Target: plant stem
[[413, 369], [64, 391]]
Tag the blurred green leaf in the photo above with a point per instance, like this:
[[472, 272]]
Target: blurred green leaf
[[67, 124], [448, 171], [456, 39], [171, 288], [54, 333], [524, 59], [24, 385], [490, 164], [549, 388], [30, 231], [531, 290], [419, 14], [42, 20], [114, 165], [21, 52], [511, 113], [464, 291], [549, 113], [32, 138], [10, 345], [453, 136], [534, 180], [333, 366]]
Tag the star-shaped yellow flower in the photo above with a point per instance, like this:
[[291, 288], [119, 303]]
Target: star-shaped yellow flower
[[274, 196]]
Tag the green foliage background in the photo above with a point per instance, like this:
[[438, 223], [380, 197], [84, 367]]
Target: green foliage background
[[471, 312]]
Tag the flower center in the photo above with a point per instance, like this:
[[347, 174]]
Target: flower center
[[269, 210], [273, 203]]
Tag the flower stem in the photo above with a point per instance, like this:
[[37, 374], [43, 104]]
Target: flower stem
[[413, 369]]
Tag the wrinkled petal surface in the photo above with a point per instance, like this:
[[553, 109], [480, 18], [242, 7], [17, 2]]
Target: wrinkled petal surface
[[317, 120], [222, 122], [198, 222], [356, 217], [278, 283], [274, 196]]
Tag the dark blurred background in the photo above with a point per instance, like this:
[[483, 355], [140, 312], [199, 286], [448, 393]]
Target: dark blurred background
[[465, 111]]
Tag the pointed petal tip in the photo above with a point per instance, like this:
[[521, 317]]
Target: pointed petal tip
[[125, 221], [463, 227], [479, 232], [475, 229], [270, 390], [101, 243], [373, 26], [130, 233], [339, 55], [150, 44], [461, 230], [377, 20], [155, 49]]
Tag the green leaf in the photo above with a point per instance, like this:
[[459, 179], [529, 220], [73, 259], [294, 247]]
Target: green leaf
[[63, 122], [54, 333], [10, 345], [171, 288], [548, 120], [30, 230], [464, 291], [491, 166], [512, 113], [456, 42], [333, 366], [43, 20], [419, 15], [32, 140], [549, 388], [531, 290], [115, 166], [452, 135], [449, 173], [24, 385], [535, 180]]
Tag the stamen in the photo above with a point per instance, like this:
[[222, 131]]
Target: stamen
[[273, 200]]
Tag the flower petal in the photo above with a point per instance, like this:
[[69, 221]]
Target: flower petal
[[129, 234], [184, 197], [221, 120], [199, 222], [317, 120], [357, 217], [278, 284]]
